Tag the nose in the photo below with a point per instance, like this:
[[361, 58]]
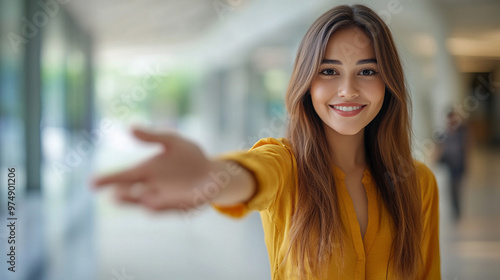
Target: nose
[[348, 89]]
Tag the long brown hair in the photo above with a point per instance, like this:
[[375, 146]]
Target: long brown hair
[[316, 229]]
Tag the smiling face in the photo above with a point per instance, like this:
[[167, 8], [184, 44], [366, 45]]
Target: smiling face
[[348, 92]]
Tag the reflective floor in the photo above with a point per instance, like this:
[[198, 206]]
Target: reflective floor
[[202, 245], [205, 245]]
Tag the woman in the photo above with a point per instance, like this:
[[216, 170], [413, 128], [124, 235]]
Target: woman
[[340, 197]]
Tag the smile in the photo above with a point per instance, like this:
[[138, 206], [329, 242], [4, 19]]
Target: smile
[[347, 110]]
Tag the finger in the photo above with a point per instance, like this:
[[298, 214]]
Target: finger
[[154, 201], [164, 138], [128, 192], [157, 200], [126, 176], [122, 191]]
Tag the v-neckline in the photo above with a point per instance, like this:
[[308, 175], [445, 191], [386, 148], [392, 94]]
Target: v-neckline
[[361, 243]]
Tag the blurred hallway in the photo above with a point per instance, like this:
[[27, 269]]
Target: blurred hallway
[[75, 75], [471, 248]]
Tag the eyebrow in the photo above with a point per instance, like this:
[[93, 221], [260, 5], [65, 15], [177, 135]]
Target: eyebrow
[[362, 61]]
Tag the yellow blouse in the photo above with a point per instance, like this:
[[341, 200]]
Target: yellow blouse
[[274, 166]]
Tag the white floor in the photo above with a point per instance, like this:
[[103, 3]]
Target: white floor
[[204, 245]]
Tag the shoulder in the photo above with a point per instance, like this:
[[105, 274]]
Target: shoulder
[[426, 181], [275, 152], [423, 171], [279, 146], [279, 142]]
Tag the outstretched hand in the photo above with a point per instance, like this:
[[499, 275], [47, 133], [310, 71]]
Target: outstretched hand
[[165, 181]]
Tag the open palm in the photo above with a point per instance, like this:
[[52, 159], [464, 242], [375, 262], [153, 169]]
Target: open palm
[[168, 180]]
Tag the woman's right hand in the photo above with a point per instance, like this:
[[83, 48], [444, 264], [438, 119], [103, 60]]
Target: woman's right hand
[[173, 179]]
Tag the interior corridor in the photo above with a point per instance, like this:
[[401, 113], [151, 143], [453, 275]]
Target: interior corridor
[[76, 75]]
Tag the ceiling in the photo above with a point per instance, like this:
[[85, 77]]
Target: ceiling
[[121, 27], [474, 37], [146, 22]]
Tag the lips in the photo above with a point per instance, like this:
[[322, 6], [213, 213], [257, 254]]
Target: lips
[[347, 109]]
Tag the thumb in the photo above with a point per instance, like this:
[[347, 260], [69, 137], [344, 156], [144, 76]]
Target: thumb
[[127, 176], [164, 138]]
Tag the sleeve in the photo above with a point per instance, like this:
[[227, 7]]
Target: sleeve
[[430, 214], [270, 162]]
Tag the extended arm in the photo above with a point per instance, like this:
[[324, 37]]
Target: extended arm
[[181, 177]]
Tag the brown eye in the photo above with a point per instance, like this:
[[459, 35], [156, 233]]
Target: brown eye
[[367, 72], [328, 72]]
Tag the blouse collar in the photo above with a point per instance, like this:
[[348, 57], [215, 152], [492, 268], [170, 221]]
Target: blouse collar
[[367, 180]]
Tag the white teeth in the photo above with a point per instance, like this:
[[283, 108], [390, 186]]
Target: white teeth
[[347, 109]]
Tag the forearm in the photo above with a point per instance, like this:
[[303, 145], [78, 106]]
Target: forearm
[[234, 183]]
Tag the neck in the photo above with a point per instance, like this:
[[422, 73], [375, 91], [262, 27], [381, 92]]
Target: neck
[[346, 151]]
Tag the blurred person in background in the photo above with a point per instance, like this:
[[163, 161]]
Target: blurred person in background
[[453, 151]]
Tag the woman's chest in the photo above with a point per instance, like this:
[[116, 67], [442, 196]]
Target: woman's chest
[[359, 201]]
